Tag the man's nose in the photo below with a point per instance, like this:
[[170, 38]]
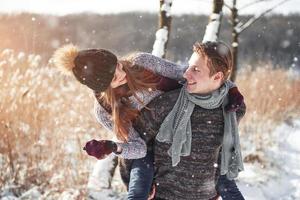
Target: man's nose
[[186, 74]]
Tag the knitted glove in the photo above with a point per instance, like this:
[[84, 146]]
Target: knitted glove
[[166, 84], [236, 99], [100, 149]]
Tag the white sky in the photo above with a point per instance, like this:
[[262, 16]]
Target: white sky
[[62, 7]]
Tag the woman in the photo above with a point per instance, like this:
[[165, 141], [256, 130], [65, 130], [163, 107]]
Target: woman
[[122, 88]]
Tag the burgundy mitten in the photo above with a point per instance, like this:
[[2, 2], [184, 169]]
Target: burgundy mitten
[[100, 149], [166, 84], [236, 99]]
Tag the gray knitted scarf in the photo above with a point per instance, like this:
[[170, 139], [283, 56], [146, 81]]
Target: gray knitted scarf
[[176, 128]]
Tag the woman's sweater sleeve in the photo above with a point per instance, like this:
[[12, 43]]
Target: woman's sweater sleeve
[[159, 66], [135, 147]]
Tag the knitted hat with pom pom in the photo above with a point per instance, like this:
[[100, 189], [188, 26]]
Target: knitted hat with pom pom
[[94, 68]]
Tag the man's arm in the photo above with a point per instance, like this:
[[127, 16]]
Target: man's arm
[[241, 111]]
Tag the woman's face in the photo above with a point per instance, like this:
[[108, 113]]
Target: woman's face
[[119, 77]]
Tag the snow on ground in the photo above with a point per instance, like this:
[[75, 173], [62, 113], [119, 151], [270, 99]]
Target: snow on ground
[[280, 180]]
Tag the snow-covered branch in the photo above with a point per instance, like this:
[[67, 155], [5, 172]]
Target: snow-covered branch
[[167, 7]]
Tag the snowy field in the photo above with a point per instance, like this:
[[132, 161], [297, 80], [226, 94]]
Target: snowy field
[[281, 179]]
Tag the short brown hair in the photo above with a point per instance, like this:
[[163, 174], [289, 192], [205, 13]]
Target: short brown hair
[[218, 55]]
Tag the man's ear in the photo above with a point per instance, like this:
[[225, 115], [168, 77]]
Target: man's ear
[[218, 76]]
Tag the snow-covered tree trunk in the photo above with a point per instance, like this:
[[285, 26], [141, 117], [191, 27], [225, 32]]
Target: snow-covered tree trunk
[[213, 27], [163, 32]]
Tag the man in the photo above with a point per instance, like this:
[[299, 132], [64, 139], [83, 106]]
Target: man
[[191, 128]]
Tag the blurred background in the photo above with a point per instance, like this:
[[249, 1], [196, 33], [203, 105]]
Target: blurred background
[[46, 118]]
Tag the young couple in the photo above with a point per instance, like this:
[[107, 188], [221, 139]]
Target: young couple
[[181, 137]]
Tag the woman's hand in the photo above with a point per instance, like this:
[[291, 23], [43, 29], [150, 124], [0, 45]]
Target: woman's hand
[[100, 149], [236, 99], [166, 84]]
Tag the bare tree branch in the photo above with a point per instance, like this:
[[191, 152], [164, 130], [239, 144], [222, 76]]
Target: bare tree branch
[[227, 6], [253, 19], [252, 3]]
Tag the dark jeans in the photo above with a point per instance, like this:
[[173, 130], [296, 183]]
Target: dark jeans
[[228, 189], [141, 176]]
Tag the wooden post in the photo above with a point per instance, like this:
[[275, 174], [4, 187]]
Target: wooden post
[[235, 41]]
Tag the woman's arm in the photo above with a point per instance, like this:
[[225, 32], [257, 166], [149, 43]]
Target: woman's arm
[[135, 147], [159, 66]]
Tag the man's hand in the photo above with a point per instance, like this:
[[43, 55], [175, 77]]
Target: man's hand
[[100, 149], [236, 99]]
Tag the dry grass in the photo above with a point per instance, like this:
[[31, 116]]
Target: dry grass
[[272, 97], [45, 119]]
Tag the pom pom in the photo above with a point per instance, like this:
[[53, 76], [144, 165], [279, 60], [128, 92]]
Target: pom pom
[[64, 57]]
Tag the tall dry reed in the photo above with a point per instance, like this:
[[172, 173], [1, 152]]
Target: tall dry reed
[[272, 97], [45, 120]]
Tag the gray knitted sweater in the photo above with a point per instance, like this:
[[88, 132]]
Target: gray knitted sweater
[[195, 176]]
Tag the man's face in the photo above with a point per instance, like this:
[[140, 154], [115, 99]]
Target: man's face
[[197, 76]]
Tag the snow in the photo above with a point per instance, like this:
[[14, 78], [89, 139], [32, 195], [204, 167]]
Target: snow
[[33, 193], [167, 7], [234, 44], [21, 56], [69, 194], [159, 44], [280, 180], [294, 70], [211, 31], [100, 177], [106, 194]]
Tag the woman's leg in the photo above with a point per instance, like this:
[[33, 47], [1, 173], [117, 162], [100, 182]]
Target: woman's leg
[[228, 189], [141, 177]]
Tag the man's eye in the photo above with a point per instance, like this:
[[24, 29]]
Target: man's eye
[[196, 69]]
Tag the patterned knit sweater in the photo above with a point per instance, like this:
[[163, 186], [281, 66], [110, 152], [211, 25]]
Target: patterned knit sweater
[[195, 176], [135, 147]]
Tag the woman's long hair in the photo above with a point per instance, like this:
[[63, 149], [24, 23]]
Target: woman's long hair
[[116, 100]]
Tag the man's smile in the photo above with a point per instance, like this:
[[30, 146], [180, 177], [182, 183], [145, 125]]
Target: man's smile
[[191, 83]]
